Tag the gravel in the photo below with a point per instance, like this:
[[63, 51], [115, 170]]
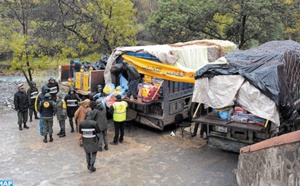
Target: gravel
[[9, 86]]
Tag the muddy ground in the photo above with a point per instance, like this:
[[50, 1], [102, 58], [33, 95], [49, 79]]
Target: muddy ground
[[147, 156]]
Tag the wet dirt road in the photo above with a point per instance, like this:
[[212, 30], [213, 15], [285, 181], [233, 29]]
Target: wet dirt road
[[147, 157]]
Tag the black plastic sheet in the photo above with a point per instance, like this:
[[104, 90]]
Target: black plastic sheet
[[99, 65], [273, 68]]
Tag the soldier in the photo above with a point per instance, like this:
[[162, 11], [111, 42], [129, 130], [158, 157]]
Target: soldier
[[89, 129], [119, 116], [40, 97], [32, 93], [21, 105], [61, 114], [72, 99], [54, 88], [48, 110]]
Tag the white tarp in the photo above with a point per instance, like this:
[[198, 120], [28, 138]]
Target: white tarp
[[223, 90], [217, 92], [187, 56]]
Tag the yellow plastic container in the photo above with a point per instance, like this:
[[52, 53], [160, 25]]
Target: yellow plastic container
[[70, 82], [86, 81], [78, 80], [145, 90], [147, 79]]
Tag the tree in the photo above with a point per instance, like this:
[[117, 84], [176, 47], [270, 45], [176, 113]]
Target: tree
[[57, 29], [92, 25], [16, 19], [241, 21]]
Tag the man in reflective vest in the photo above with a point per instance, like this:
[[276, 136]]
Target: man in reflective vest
[[119, 116], [54, 88], [72, 99]]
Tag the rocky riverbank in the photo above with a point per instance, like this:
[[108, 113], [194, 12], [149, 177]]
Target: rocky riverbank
[[9, 81]]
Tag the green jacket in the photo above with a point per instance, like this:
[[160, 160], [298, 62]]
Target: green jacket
[[61, 112]]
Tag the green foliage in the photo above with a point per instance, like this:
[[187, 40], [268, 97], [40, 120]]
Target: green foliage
[[238, 21], [40, 34]]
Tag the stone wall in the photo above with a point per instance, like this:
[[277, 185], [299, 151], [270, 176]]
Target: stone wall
[[275, 161]]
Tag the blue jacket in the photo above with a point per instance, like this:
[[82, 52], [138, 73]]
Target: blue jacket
[[40, 97], [47, 108]]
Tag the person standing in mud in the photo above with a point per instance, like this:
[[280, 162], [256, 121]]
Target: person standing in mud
[[88, 128], [21, 106], [72, 99], [32, 93], [40, 97], [61, 114], [119, 116], [99, 115], [80, 115], [48, 110], [54, 88]]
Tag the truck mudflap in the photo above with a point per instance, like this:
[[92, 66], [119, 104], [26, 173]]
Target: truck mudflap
[[216, 141]]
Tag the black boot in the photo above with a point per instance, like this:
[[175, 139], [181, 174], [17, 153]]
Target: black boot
[[51, 139], [63, 133], [20, 127], [25, 126], [60, 132], [88, 165], [45, 139], [36, 116], [72, 127], [92, 168], [30, 120]]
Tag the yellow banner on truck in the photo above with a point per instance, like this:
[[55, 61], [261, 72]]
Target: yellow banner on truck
[[160, 70]]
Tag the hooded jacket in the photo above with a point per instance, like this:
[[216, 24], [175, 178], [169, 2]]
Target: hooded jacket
[[82, 110], [53, 86], [131, 72], [61, 108], [90, 141], [99, 115], [47, 108], [40, 97], [72, 101], [32, 93]]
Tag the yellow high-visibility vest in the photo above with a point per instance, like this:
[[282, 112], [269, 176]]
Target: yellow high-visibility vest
[[120, 111]]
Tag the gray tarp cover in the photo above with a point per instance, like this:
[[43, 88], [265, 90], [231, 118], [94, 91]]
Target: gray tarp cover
[[265, 67]]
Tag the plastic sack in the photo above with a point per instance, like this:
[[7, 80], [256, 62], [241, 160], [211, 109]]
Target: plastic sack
[[149, 93], [109, 100], [123, 82], [102, 100], [120, 90], [96, 96], [109, 88], [224, 114]]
